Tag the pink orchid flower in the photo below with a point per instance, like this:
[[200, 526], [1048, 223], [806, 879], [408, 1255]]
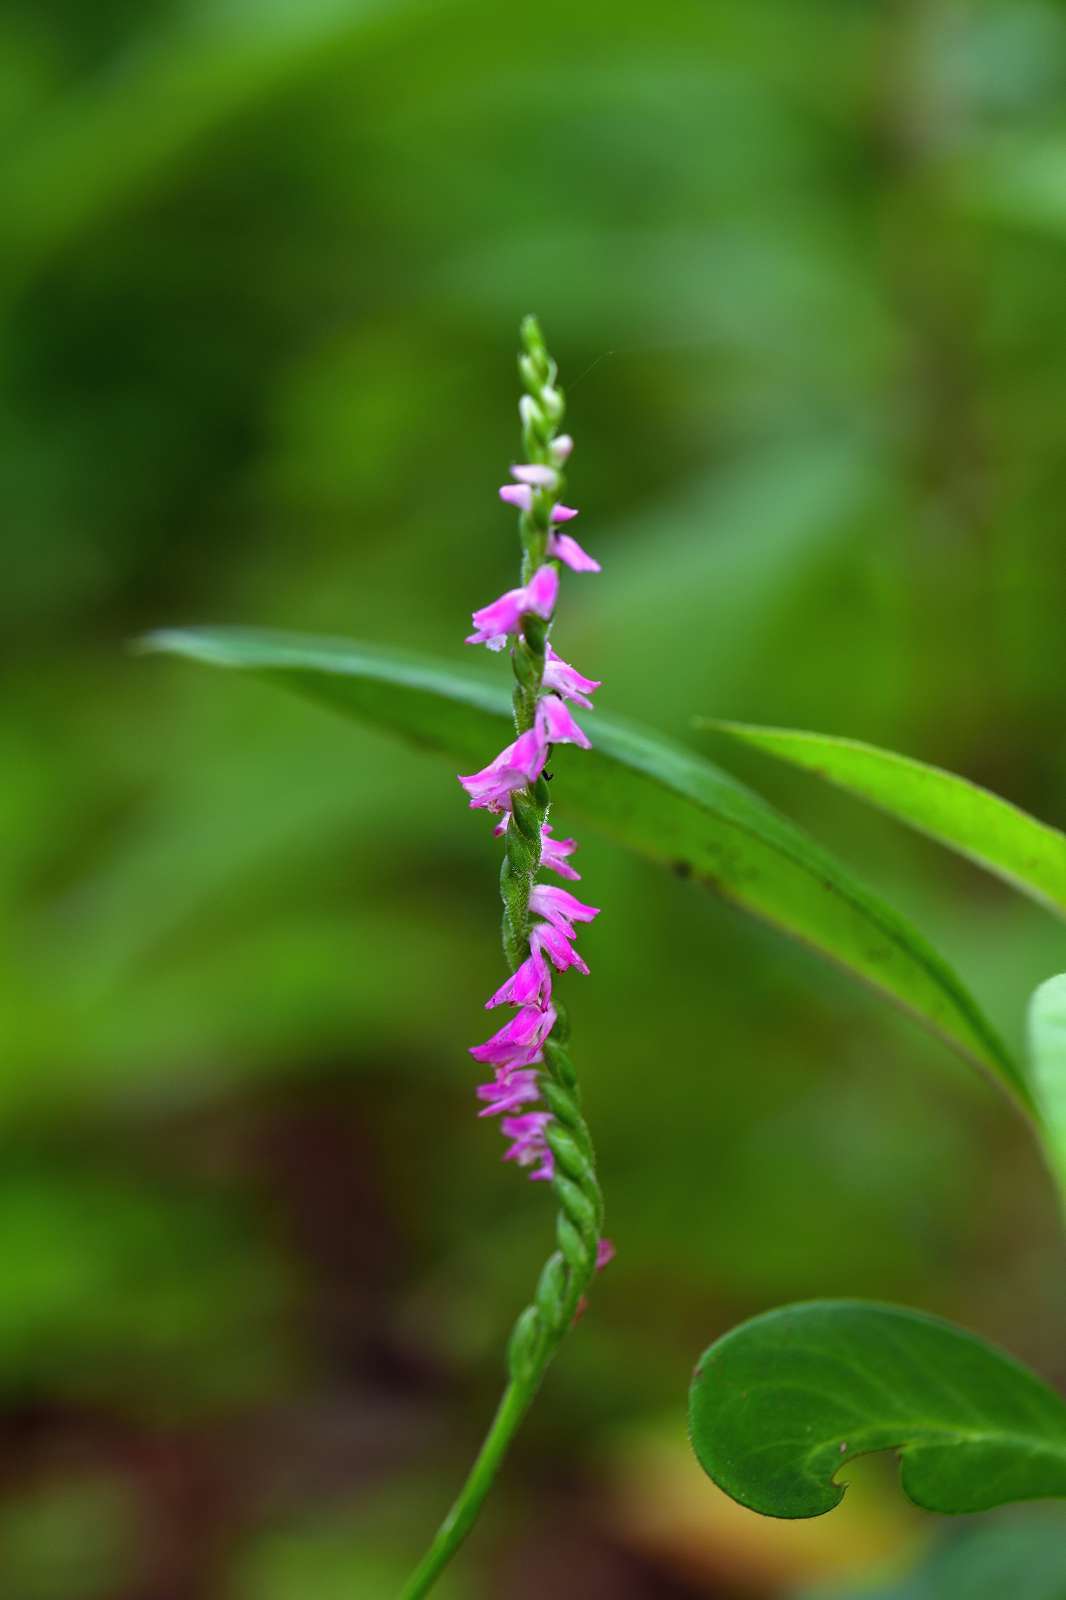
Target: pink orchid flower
[[568, 551], [508, 1091], [564, 679], [556, 725], [553, 853], [530, 985], [516, 766], [520, 495], [559, 949], [528, 1143], [560, 908], [494, 622], [518, 1042]]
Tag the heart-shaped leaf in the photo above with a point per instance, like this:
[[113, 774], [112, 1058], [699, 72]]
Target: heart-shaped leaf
[[1047, 1050], [664, 801], [991, 831], [781, 1403]]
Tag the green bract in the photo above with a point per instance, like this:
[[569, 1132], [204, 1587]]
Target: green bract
[[781, 1403]]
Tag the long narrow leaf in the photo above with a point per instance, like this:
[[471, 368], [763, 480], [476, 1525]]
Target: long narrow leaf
[[662, 800], [1047, 1051], [999, 836]]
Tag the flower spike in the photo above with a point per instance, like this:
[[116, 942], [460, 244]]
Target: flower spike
[[532, 1086]]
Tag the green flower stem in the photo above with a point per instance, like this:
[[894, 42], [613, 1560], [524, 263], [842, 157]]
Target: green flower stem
[[543, 1325], [517, 1398], [545, 1322]]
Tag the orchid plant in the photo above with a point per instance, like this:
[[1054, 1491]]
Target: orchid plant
[[781, 1403], [528, 1055]]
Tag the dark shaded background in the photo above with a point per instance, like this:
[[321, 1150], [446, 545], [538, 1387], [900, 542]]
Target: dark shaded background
[[802, 264]]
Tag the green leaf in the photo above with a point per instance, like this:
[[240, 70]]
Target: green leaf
[[781, 1403], [664, 801], [1047, 1049], [187, 78], [1004, 840], [1021, 1558]]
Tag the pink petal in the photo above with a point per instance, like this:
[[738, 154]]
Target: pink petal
[[565, 680], [501, 617], [605, 1252], [520, 763], [508, 1092], [557, 947], [560, 907], [487, 636], [528, 1144], [556, 724], [542, 591], [553, 853], [497, 620], [519, 1040], [518, 495], [536, 476], [567, 550], [530, 985]]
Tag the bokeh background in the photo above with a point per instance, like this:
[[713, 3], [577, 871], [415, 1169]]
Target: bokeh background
[[802, 263]]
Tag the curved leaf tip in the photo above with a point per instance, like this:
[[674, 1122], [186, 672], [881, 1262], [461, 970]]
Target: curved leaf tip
[[780, 1404], [992, 832]]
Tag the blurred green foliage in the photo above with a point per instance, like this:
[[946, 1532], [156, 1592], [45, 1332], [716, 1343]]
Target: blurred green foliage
[[76, 1539], [262, 265], [1021, 1554]]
